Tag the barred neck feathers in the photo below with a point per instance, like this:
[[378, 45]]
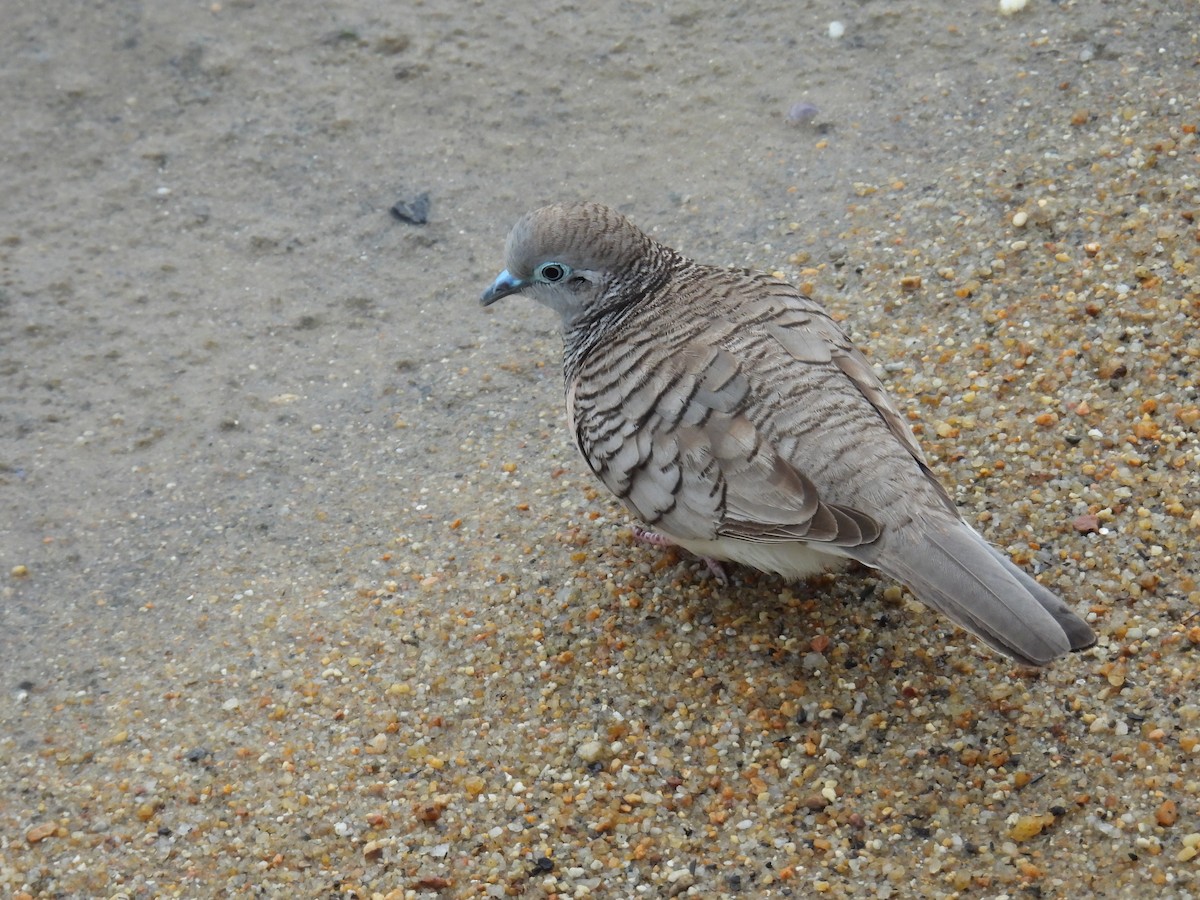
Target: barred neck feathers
[[626, 293]]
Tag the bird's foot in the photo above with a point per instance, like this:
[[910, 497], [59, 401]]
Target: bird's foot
[[654, 539], [716, 569]]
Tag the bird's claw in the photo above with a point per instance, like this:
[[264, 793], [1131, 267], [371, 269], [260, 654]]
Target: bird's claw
[[654, 539]]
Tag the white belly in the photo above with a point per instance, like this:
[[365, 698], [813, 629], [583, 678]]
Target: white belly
[[790, 559]]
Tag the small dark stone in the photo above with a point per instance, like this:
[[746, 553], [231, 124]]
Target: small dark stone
[[544, 864], [198, 754], [815, 802], [26, 685], [414, 211], [392, 44]]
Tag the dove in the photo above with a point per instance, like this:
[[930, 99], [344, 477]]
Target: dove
[[735, 418]]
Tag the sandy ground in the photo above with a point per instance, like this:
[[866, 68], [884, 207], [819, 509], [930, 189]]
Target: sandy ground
[[305, 592]]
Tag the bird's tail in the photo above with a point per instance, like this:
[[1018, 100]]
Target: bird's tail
[[951, 568]]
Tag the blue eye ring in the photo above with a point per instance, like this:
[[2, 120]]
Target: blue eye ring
[[552, 272]]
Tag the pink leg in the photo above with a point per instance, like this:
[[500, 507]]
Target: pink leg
[[654, 539]]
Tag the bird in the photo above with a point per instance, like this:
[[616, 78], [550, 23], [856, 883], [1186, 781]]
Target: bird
[[733, 417]]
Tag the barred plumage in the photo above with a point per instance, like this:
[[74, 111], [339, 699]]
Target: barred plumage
[[732, 415]]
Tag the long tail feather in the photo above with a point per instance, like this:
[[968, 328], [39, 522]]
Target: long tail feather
[[951, 568]]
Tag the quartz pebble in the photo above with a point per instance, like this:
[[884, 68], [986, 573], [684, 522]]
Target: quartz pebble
[[40, 832]]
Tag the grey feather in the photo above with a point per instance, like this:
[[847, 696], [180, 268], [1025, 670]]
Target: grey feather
[[730, 413]]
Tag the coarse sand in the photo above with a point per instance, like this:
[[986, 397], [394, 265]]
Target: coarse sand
[[304, 591]]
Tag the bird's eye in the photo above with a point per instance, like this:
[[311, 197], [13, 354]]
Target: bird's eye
[[552, 272]]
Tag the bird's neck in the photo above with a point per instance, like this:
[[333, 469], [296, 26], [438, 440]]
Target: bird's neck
[[584, 335], [604, 319]]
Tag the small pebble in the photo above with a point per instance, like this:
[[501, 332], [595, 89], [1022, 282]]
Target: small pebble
[[815, 801], [378, 744], [1027, 827], [414, 211], [590, 751], [40, 832], [1167, 813], [801, 113]]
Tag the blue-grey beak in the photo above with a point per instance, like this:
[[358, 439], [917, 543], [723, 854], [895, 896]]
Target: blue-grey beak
[[504, 285]]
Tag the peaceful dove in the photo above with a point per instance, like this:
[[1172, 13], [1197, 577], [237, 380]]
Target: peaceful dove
[[734, 417]]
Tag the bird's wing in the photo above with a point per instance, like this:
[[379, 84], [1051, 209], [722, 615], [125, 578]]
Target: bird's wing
[[809, 335], [671, 427]]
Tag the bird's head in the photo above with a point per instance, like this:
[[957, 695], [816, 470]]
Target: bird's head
[[574, 258]]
